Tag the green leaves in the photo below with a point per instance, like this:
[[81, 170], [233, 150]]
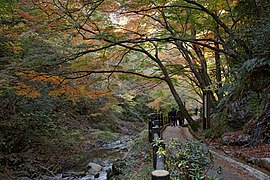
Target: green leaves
[[187, 160], [6, 6]]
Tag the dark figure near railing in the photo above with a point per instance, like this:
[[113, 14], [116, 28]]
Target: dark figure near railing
[[160, 118], [196, 111], [169, 117], [173, 116], [180, 117]]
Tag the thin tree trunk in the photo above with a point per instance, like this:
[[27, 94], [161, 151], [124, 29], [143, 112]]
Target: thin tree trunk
[[218, 71], [176, 96], [181, 105]]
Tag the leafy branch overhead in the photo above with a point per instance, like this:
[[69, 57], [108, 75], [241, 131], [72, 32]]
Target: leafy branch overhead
[[197, 42], [74, 72]]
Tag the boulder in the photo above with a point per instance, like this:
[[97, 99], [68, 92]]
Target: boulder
[[93, 168], [118, 166], [265, 163], [238, 138]]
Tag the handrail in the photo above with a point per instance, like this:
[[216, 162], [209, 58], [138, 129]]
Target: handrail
[[157, 124]]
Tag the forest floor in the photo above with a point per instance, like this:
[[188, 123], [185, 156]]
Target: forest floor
[[225, 167]]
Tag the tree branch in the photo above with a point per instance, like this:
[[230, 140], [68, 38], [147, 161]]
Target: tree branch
[[87, 73], [213, 15]]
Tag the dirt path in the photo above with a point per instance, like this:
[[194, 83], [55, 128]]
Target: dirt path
[[230, 169], [180, 133]]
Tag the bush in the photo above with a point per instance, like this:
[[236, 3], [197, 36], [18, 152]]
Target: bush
[[188, 160]]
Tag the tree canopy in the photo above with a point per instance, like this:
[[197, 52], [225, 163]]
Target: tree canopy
[[92, 56], [199, 42]]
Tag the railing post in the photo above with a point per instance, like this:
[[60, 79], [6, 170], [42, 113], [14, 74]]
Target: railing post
[[158, 159], [155, 149], [150, 129], [206, 110], [160, 175], [155, 136], [161, 119], [160, 162]]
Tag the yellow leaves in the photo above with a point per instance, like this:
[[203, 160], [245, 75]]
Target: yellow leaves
[[161, 151]]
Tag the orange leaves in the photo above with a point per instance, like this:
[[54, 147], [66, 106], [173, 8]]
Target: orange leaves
[[76, 92], [72, 93], [156, 103], [25, 90], [29, 83], [96, 94], [34, 76], [26, 16], [31, 80], [15, 48], [109, 6]]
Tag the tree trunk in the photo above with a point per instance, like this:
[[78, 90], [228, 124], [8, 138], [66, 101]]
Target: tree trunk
[[176, 96], [203, 80], [181, 105], [218, 71]]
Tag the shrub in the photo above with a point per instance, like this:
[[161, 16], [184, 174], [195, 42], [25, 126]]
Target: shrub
[[188, 160]]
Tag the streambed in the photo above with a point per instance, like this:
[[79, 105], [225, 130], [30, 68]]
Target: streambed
[[101, 161]]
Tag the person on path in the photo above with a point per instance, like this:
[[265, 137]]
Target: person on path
[[169, 117], [173, 116], [180, 117], [196, 111]]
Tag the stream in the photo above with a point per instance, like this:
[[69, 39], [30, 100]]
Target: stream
[[98, 161]]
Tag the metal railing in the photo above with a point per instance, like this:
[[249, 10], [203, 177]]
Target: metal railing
[[157, 124]]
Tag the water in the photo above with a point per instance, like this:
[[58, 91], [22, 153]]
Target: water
[[103, 156]]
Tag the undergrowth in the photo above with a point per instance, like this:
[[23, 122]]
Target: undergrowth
[[138, 164], [189, 160]]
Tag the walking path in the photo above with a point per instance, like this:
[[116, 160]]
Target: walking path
[[230, 168]]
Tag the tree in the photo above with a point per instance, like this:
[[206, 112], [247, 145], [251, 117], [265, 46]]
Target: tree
[[110, 36]]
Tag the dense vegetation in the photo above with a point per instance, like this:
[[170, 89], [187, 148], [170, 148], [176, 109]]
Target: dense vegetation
[[72, 68], [247, 93], [46, 135]]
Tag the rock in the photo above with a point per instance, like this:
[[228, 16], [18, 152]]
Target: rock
[[117, 167], [251, 160], [124, 149], [261, 162], [96, 176], [265, 163], [235, 138], [90, 147], [93, 168]]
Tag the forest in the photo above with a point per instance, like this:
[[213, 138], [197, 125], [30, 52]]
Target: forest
[[78, 75]]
